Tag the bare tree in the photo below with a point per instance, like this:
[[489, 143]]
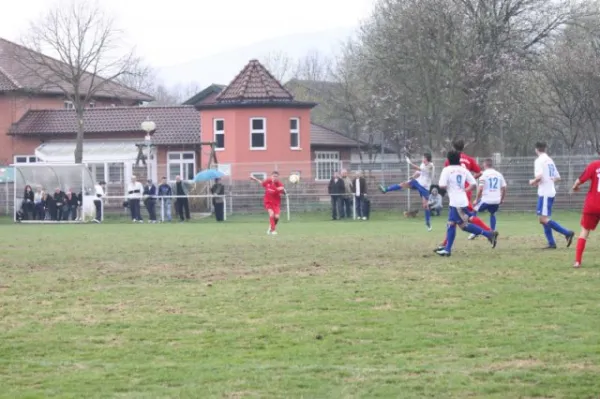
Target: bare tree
[[139, 76], [314, 66], [280, 64], [87, 59]]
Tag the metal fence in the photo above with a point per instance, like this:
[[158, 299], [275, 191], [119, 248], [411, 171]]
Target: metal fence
[[310, 194]]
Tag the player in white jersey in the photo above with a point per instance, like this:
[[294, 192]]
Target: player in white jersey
[[453, 179], [491, 193], [421, 182], [546, 175]]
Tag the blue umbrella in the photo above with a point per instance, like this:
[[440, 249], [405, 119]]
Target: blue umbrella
[[208, 174]]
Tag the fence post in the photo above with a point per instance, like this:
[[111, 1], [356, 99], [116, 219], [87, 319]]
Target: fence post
[[224, 208], [354, 207]]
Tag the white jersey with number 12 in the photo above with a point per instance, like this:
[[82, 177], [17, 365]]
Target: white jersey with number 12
[[491, 182], [454, 177], [545, 167]]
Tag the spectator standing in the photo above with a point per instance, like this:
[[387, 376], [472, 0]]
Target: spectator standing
[[135, 192], [49, 206], [164, 194], [435, 202], [218, 191], [99, 187], [359, 188], [60, 204], [28, 203], [72, 203], [38, 210], [347, 197], [182, 206], [336, 191], [150, 200]]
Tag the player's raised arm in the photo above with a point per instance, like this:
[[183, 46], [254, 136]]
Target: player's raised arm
[[254, 178], [443, 183]]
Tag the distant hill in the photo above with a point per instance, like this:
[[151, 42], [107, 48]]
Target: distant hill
[[222, 68]]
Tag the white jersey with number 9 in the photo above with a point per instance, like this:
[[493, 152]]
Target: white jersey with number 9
[[453, 178]]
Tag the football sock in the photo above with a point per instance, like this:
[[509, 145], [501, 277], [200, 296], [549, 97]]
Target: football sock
[[558, 228], [474, 229], [549, 236], [450, 236], [478, 222], [580, 248], [276, 221], [394, 187], [493, 221], [445, 240], [427, 217], [272, 222]]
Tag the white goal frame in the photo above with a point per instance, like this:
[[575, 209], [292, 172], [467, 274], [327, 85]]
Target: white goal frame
[[88, 193]]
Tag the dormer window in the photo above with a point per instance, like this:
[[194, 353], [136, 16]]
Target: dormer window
[[69, 105], [92, 105]]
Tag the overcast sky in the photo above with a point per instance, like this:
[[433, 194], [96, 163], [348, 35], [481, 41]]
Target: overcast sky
[[172, 32]]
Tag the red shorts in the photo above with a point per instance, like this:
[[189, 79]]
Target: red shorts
[[589, 221], [276, 208]]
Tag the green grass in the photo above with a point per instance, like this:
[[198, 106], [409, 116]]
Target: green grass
[[324, 310]]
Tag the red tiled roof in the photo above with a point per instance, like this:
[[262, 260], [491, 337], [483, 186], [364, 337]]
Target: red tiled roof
[[16, 76], [254, 83], [322, 136], [174, 125]]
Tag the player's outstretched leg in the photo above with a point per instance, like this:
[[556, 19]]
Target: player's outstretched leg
[[450, 236], [492, 236], [493, 221], [554, 225], [581, 241], [393, 187]]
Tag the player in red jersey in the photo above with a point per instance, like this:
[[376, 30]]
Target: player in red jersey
[[590, 215], [471, 165], [273, 190]]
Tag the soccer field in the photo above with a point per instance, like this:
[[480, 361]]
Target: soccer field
[[324, 310]]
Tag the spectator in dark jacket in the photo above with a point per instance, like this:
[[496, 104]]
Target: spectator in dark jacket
[[164, 193], [218, 190], [150, 200], [60, 202], [359, 188], [28, 203], [336, 190], [71, 205]]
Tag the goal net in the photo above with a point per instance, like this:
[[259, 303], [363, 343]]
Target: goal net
[[49, 182]]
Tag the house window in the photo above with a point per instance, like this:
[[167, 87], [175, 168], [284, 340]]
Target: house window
[[258, 134], [181, 164], [259, 175], [69, 105], [25, 159], [295, 133], [116, 173], [97, 170], [327, 163], [219, 134], [92, 105]]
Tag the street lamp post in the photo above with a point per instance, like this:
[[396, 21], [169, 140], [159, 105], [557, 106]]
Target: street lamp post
[[148, 126]]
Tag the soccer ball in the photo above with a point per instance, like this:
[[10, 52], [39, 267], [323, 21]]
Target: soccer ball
[[294, 178]]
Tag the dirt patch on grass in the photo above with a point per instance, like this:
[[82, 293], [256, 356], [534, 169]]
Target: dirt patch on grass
[[515, 364]]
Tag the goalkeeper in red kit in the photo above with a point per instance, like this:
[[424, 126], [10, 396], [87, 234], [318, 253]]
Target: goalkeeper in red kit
[[471, 165], [272, 201], [590, 215]]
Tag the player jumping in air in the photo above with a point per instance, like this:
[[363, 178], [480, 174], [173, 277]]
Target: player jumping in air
[[590, 215], [491, 193], [453, 179], [546, 175], [273, 190], [470, 164], [421, 182]]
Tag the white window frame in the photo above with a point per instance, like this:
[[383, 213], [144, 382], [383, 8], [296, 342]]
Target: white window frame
[[219, 132], [330, 160], [259, 175], [181, 162], [28, 159], [263, 131], [296, 132], [68, 105], [92, 104]]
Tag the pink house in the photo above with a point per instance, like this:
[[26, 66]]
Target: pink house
[[256, 123]]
